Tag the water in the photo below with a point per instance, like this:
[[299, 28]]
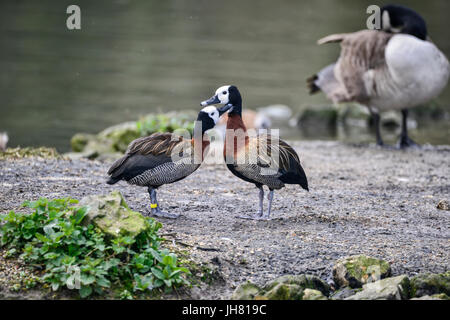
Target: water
[[136, 57]]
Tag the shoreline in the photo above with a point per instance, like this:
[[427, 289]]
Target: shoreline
[[363, 200]]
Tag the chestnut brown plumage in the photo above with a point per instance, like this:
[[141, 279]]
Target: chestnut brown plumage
[[261, 159]]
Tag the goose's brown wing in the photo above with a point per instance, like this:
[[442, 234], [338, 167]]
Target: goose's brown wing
[[349, 79]]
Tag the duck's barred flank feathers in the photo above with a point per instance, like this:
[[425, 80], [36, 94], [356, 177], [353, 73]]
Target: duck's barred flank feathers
[[155, 144]]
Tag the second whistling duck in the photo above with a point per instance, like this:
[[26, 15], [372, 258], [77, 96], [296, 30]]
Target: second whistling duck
[[253, 158], [164, 158]]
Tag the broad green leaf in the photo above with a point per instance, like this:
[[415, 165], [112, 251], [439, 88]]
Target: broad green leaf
[[85, 291]]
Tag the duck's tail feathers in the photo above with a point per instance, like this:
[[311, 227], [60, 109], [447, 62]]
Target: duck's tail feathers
[[116, 170], [113, 180]]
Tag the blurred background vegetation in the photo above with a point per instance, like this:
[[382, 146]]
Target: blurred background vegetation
[[132, 58]]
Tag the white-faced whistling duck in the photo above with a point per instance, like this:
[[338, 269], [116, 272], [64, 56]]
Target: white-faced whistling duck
[[164, 158], [251, 160]]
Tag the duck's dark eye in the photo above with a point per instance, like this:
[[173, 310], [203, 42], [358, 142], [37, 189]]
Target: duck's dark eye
[[224, 92]]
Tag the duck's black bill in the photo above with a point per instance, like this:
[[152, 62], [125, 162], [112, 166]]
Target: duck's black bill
[[225, 108], [213, 100]]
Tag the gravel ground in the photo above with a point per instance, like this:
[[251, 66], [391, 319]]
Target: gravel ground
[[362, 200]]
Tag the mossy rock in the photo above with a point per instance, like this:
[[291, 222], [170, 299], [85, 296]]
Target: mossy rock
[[246, 291], [29, 152], [311, 294], [349, 113], [395, 288], [355, 271], [344, 293], [291, 287], [120, 135], [439, 296], [284, 291], [319, 117], [430, 284], [288, 287], [80, 140], [112, 216]]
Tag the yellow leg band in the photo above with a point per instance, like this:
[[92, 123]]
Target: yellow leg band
[[153, 205]]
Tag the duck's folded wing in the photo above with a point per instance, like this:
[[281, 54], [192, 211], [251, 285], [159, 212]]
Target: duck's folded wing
[[150, 152]]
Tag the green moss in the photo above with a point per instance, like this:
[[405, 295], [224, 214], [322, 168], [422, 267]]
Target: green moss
[[80, 140], [41, 152], [311, 294], [111, 214], [429, 284], [246, 291], [358, 270]]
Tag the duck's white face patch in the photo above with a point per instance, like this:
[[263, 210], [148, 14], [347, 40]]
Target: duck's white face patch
[[212, 113], [223, 94]]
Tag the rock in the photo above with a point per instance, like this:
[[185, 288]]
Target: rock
[[311, 294], [429, 284], [440, 296], [111, 214], [354, 271], [354, 115], [120, 135], [343, 293], [443, 205], [318, 120], [115, 139], [246, 291], [284, 291], [390, 120], [396, 288], [276, 112], [80, 140], [291, 287]]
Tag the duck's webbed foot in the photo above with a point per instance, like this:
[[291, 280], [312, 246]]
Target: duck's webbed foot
[[162, 214], [154, 207]]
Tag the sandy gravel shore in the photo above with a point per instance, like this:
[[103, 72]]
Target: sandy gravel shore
[[362, 199]]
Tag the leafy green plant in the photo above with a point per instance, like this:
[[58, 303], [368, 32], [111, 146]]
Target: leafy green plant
[[168, 122], [53, 238]]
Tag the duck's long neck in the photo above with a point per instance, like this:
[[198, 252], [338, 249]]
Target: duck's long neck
[[236, 137], [200, 143], [235, 122]]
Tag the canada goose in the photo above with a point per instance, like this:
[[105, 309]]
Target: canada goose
[[250, 157], [164, 158], [395, 68]]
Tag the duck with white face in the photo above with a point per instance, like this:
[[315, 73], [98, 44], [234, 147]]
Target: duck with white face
[[395, 68], [252, 157], [164, 158]]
